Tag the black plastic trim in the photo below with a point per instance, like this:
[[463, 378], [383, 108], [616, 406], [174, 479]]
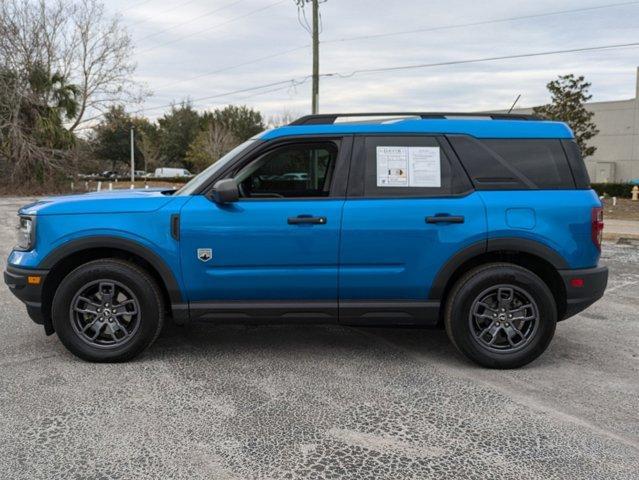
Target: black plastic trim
[[517, 244], [330, 118], [88, 243], [16, 279], [512, 244], [31, 295], [175, 226], [349, 312], [388, 312], [448, 269], [445, 219], [595, 281], [265, 311]]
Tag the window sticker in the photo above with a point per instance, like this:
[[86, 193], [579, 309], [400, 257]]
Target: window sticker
[[408, 167]]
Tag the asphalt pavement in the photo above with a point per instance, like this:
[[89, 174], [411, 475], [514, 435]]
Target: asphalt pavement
[[324, 402]]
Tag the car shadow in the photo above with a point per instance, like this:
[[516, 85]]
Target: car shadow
[[298, 339]]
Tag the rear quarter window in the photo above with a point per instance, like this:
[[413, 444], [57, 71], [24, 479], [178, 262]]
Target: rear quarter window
[[514, 163], [579, 172]]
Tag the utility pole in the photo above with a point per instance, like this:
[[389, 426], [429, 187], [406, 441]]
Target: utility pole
[[313, 28], [132, 159], [315, 104]]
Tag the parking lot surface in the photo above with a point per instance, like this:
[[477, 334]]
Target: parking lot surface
[[239, 402]]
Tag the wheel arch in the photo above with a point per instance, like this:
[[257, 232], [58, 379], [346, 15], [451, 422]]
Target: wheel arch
[[71, 255], [534, 256]]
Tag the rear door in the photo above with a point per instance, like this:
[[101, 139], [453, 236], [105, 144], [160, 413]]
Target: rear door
[[278, 245], [410, 207]]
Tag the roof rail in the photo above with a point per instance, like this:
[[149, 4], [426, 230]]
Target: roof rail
[[330, 118]]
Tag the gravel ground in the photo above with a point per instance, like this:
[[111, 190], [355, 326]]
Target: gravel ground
[[625, 209], [231, 402]]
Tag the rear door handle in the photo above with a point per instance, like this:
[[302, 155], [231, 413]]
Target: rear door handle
[[445, 219], [304, 219]]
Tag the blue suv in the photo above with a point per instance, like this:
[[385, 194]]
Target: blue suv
[[483, 224]]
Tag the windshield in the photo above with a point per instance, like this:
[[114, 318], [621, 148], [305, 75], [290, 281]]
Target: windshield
[[201, 178]]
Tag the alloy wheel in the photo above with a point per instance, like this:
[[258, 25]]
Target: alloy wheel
[[503, 318], [105, 313]]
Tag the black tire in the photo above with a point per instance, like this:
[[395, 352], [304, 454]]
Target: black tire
[[127, 334], [474, 307]]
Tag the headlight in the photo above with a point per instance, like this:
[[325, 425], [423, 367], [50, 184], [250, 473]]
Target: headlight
[[25, 233]]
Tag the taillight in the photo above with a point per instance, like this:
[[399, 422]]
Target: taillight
[[597, 226]]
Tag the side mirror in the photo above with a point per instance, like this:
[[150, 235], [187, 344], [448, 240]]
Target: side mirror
[[225, 191]]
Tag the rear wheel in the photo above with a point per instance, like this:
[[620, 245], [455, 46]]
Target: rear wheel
[[107, 311], [501, 315]]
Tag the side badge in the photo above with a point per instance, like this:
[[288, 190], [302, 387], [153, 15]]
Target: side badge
[[204, 254]]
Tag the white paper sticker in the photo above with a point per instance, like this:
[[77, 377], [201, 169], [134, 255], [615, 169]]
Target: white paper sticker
[[408, 167], [424, 167], [392, 166]]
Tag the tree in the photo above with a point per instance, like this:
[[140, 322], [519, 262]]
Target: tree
[[59, 60], [243, 122], [149, 144], [281, 119], [112, 138], [569, 95], [209, 146], [177, 130], [77, 39], [34, 144]]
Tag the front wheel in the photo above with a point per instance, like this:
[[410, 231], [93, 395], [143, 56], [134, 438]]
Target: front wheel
[[501, 315], [107, 311]]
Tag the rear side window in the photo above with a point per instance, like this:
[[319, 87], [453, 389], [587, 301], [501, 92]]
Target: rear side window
[[514, 163], [406, 166]]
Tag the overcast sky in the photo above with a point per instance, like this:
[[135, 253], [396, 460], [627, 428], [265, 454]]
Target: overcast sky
[[180, 45]]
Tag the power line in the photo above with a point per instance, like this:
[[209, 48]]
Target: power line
[[292, 82], [162, 12], [303, 80], [479, 23], [478, 60], [231, 67], [252, 12], [136, 5], [186, 22], [381, 35]]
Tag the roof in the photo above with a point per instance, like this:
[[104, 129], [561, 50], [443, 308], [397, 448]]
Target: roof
[[477, 126]]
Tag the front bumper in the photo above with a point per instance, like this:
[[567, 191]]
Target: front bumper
[[17, 279], [583, 288]]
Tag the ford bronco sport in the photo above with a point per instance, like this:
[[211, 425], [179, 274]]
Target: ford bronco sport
[[485, 224]]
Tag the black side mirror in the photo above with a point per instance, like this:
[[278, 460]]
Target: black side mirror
[[225, 191]]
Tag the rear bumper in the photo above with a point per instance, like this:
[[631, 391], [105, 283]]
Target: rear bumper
[[593, 285], [30, 294]]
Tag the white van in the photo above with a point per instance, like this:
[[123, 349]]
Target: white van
[[172, 172]]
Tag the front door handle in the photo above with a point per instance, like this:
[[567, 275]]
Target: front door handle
[[445, 219], [305, 219]]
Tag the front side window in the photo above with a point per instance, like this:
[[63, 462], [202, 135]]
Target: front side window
[[290, 171]]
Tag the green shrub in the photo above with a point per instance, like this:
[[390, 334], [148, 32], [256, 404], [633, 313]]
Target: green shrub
[[621, 190]]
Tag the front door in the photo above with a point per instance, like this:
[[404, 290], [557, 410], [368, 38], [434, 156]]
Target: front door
[[275, 251], [410, 208]]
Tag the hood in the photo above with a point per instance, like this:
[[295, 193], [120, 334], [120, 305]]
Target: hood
[[115, 201]]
